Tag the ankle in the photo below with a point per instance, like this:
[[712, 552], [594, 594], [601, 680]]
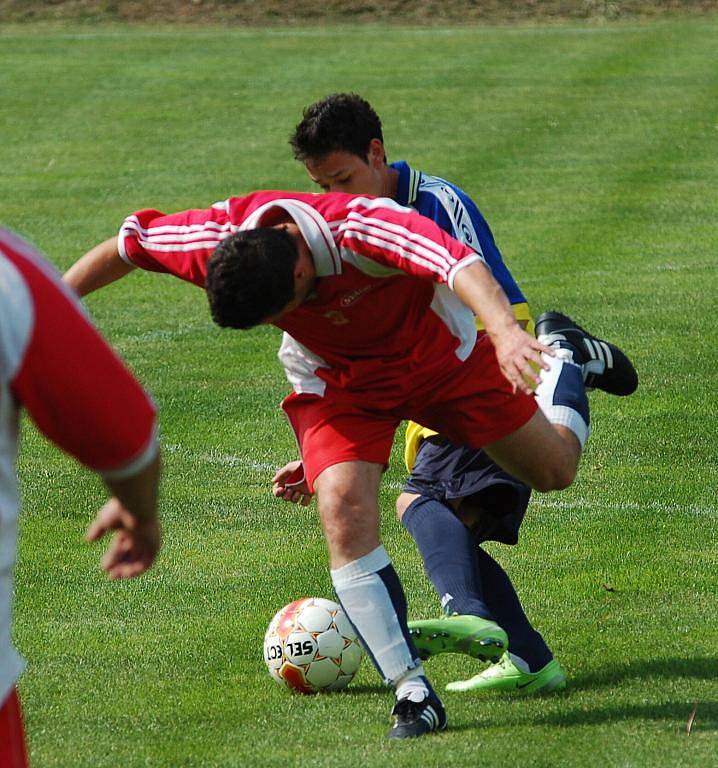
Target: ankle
[[413, 686]]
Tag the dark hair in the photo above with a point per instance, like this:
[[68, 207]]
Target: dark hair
[[342, 122], [250, 277]]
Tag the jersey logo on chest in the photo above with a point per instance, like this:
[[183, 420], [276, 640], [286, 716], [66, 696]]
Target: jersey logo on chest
[[353, 296], [336, 317]]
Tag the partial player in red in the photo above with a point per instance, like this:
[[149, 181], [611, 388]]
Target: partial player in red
[[55, 365], [378, 307]]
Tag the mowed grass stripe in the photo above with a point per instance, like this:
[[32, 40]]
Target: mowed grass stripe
[[649, 160]]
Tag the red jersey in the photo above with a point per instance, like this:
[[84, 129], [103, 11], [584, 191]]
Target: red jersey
[[383, 316], [56, 365]]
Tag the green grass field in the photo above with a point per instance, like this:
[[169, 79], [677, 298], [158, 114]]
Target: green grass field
[[593, 153]]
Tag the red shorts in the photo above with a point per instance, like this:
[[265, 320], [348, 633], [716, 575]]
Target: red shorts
[[472, 404], [13, 752]]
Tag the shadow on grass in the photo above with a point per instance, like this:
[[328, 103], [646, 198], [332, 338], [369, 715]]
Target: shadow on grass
[[674, 714], [678, 713], [703, 668]]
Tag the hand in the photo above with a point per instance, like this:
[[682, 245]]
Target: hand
[[519, 356], [134, 545], [289, 484]]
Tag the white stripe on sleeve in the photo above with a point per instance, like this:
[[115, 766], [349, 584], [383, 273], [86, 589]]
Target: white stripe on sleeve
[[401, 252], [146, 455], [441, 254]]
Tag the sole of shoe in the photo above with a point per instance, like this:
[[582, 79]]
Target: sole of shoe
[[479, 645]]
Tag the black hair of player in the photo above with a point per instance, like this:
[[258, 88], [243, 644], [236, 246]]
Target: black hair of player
[[250, 277], [342, 122]]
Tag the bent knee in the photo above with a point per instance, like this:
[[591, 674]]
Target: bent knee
[[554, 478], [403, 502], [351, 526], [336, 495]]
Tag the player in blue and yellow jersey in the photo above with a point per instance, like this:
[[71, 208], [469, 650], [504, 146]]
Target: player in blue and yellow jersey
[[455, 498]]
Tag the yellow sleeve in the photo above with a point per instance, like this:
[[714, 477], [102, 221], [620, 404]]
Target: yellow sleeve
[[523, 315], [415, 433]]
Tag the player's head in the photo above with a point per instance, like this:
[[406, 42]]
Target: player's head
[[341, 144], [258, 275]]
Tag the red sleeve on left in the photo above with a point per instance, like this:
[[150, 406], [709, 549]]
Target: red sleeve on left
[[399, 237], [178, 243], [73, 385]]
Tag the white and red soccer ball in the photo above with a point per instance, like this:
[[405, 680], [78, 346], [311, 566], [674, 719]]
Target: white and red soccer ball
[[310, 646]]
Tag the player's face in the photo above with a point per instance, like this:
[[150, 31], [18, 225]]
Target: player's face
[[346, 172]]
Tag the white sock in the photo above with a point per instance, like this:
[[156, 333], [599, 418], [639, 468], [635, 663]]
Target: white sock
[[413, 686], [372, 597], [561, 394]]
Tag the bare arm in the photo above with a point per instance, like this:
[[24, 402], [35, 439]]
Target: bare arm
[[98, 267], [132, 514], [518, 353], [132, 511], [87, 403]]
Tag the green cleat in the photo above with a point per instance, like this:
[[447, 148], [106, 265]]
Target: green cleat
[[506, 676], [477, 637]]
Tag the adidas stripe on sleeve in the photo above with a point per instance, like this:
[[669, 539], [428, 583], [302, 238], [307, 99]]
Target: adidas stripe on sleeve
[[399, 237], [179, 243]]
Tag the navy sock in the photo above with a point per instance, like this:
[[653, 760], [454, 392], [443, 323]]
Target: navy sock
[[448, 549], [561, 395], [504, 603]]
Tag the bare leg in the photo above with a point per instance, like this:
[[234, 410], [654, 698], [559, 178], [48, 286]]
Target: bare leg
[[370, 592], [542, 455], [349, 509], [403, 501]]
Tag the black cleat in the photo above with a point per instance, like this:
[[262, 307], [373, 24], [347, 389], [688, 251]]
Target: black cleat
[[416, 718], [604, 365]]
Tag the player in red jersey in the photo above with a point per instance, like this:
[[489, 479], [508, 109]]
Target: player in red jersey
[[455, 497], [54, 364], [378, 306]]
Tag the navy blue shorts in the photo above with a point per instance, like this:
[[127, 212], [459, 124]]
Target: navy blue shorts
[[495, 499]]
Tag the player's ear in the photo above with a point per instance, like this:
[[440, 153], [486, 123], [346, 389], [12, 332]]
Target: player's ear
[[299, 270], [304, 266], [376, 156]]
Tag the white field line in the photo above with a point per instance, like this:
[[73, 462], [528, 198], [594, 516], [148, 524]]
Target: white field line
[[548, 502], [230, 460], [224, 459], [645, 270], [688, 510], [162, 334]]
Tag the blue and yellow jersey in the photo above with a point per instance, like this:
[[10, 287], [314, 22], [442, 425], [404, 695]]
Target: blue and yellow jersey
[[456, 213]]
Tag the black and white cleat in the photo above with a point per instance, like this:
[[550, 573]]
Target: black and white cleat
[[604, 365], [417, 718]]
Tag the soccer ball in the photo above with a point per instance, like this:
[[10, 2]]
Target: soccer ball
[[310, 646]]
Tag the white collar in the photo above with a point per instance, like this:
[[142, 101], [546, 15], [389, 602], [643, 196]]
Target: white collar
[[313, 227]]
